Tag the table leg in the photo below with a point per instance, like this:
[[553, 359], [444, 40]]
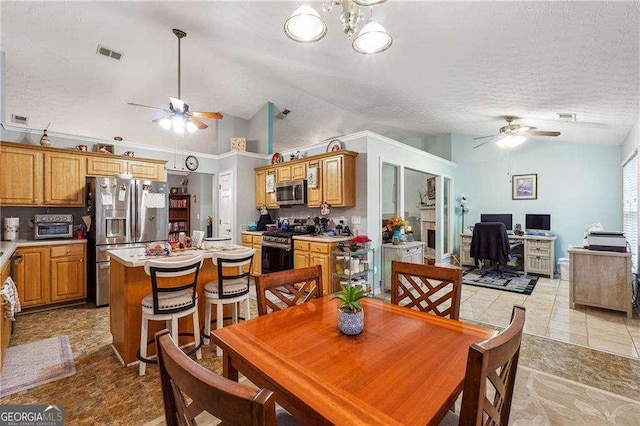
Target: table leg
[[228, 370]]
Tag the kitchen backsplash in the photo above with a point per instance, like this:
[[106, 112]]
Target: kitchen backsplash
[[25, 232]]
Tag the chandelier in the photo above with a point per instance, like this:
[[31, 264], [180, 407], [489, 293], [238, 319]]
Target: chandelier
[[306, 26]]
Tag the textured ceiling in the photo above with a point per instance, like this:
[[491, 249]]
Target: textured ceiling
[[454, 67]]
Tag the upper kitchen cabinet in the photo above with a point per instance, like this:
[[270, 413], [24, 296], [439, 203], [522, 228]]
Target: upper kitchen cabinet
[[289, 172], [20, 176], [32, 177], [314, 183], [146, 169], [268, 198], [99, 165], [339, 180]]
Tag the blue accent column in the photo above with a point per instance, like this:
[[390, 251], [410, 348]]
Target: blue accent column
[[270, 128]]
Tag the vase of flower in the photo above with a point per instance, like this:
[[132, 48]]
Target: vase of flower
[[395, 237], [394, 225]]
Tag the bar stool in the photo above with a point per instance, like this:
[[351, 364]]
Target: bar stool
[[230, 288], [171, 300]]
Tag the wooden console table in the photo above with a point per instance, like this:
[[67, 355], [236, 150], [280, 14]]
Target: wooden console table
[[539, 252], [600, 278]]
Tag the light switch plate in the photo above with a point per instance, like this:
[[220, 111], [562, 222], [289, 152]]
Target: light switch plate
[[356, 220]]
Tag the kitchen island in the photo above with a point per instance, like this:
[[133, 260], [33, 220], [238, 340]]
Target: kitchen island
[[129, 284]]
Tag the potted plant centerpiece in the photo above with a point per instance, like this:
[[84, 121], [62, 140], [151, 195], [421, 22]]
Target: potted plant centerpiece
[[350, 313], [394, 224]]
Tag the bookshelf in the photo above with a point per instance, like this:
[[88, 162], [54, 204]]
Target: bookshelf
[[179, 213]]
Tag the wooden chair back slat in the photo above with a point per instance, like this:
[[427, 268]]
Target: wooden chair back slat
[[290, 287], [188, 389], [432, 289]]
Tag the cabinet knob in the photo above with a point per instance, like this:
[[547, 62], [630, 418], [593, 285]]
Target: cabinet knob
[[68, 250], [81, 259]]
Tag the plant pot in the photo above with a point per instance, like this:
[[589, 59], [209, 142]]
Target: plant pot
[[395, 237], [350, 323]]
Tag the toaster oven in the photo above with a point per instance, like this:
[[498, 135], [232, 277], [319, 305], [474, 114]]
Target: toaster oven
[[47, 226]]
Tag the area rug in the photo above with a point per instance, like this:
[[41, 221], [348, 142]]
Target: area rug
[[33, 364], [520, 284]]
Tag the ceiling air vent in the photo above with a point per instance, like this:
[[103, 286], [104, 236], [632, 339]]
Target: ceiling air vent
[[105, 51], [566, 116], [19, 119]]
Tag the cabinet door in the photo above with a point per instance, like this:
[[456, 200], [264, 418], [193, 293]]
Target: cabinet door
[[465, 248], [283, 174], [68, 278], [64, 179], [299, 171], [314, 195], [21, 176], [270, 197], [105, 166], [261, 188], [300, 259], [257, 260], [323, 261], [146, 170], [32, 276], [339, 181]]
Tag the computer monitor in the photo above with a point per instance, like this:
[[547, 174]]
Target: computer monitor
[[537, 223], [507, 219]]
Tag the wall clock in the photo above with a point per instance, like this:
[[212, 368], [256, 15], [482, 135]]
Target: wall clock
[[192, 163]]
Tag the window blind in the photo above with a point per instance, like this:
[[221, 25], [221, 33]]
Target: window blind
[[630, 206]]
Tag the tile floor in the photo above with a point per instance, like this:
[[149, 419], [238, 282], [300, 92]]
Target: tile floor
[[549, 315]]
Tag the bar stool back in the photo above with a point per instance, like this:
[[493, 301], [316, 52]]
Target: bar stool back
[[232, 287], [171, 298]]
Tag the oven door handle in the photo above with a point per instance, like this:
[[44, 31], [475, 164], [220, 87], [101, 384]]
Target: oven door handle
[[276, 245]]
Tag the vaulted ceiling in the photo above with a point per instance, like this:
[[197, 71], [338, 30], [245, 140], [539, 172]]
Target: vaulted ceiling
[[454, 67]]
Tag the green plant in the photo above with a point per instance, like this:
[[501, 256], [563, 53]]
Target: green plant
[[350, 298]]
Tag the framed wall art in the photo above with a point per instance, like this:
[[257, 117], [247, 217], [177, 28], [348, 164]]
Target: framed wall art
[[105, 148], [431, 188], [524, 187]]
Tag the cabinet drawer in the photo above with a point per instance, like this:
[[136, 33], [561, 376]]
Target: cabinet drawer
[[319, 248], [537, 248], [67, 250], [301, 245], [247, 239], [257, 239]]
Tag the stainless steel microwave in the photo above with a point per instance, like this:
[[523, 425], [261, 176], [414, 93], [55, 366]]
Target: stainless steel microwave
[[53, 226], [291, 193]]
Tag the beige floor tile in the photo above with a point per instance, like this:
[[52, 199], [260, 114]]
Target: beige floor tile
[[532, 328], [605, 315], [514, 298], [626, 349], [487, 294], [568, 327], [567, 336], [502, 321], [615, 335]]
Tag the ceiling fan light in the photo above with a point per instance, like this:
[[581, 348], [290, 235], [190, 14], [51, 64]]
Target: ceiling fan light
[[511, 141], [373, 38], [191, 127], [305, 25], [165, 123], [367, 3], [178, 125]]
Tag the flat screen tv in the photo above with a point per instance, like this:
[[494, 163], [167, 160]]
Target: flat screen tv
[[507, 219], [537, 223]]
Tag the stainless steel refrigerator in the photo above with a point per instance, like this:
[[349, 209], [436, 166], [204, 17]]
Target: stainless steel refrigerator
[[125, 214]]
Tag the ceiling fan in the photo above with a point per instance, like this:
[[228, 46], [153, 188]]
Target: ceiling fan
[[178, 115], [514, 134]]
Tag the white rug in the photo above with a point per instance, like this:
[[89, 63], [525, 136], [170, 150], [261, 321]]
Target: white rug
[[33, 364]]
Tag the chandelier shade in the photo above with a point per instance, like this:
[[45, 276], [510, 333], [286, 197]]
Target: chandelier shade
[[305, 25], [368, 3], [373, 38]]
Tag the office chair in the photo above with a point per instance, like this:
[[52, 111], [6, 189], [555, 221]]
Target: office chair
[[491, 242]]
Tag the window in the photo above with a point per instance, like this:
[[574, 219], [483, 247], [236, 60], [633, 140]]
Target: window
[[630, 206]]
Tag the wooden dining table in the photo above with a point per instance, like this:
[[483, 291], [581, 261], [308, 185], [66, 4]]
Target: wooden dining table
[[406, 367]]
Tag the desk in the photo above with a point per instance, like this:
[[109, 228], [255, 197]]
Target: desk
[[600, 278], [539, 252], [406, 367]]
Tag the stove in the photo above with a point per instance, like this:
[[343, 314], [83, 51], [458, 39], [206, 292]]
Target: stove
[[277, 248]]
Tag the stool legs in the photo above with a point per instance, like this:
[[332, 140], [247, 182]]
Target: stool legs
[[219, 323], [196, 333], [207, 321], [143, 345]]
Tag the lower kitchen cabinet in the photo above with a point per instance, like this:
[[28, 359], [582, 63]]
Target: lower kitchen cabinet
[[255, 242], [308, 253], [51, 274]]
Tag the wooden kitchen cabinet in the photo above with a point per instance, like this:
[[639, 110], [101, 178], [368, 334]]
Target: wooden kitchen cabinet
[[139, 169], [308, 253], [314, 195], [21, 176], [146, 169], [64, 179], [105, 166], [68, 272], [32, 276], [339, 180], [51, 274], [255, 242], [261, 185]]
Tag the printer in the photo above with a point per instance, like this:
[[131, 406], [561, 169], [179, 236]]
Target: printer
[[607, 241]]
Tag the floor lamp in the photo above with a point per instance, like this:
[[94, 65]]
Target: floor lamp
[[463, 208]]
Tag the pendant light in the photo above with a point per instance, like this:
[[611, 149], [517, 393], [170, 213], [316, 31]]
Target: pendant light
[[305, 25], [373, 38]]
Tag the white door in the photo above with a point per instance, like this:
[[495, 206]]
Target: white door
[[225, 203]]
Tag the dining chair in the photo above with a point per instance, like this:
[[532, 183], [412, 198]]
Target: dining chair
[[280, 290], [173, 296], [231, 287], [428, 288], [189, 389], [490, 377]]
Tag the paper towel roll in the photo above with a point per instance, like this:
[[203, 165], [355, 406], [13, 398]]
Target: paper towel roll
[[11, 223]]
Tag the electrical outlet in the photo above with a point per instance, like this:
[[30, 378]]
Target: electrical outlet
[[356, 220], [31, 225]]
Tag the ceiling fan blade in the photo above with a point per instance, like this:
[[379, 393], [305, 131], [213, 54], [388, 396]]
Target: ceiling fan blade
[[178, 105], [199, 124], [157, 120], [486, 142], [215, 115], [482, 137], [147, 106], [540, 133]]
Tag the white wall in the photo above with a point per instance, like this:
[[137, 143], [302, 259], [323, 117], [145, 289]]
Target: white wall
[[261, 131], [439, 145], [632, 141], [232, 127]]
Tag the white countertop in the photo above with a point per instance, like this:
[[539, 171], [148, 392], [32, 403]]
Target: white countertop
[[135, 257], [322, 238], [7, 248], [408, 244]]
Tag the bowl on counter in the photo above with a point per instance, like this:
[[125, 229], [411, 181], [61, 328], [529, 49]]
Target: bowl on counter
[[271, 227], [252, 227]]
